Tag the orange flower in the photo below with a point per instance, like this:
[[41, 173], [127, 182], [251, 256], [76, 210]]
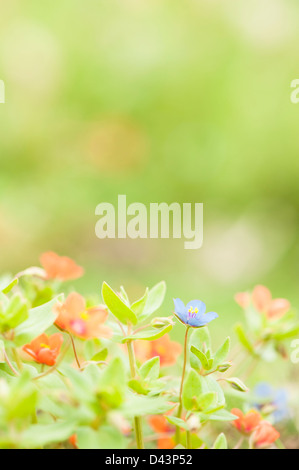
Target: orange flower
[[83, 322], [74, 440], [264, 435], [60, 267], [167, 350], [243, 299], [161, 426], [263, 302], [246, 423], [45, 349]]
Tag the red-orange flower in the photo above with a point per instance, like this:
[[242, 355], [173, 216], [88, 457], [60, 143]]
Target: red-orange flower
[[73, 440], [161, 426], [60, 267], [167, 350], [83, 322], [264, 435], [248, 422], [45, 349], [243, 299], [263, 302]]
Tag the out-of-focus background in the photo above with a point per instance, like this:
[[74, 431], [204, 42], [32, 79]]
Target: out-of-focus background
[[161, 100]]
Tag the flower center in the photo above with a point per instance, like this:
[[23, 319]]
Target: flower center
[[44, 346], [84, 316], [78, 327], [192, 312]]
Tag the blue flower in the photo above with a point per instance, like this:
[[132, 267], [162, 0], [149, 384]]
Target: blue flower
[[193, 314], [277, 398]]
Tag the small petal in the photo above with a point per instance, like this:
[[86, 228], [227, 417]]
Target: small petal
[[278, 308], [261, 298], [180, 309], [243, 299], [204, 319]]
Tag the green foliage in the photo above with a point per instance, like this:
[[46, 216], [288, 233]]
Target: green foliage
[[149, 334], [220, 442], [13, 311], [117, 306], [106, 395], [39, 320]]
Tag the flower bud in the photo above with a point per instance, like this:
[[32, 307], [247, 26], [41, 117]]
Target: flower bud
[[161, 322], [237, 384], [193, 424], [224, 366]]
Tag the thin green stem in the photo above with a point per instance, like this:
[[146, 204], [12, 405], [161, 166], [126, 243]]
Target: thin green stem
[[74, 349], [180, 409], [137, 419], [10, 364]]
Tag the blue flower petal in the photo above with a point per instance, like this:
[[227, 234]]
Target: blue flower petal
[[201, 306], [204, 319], [180, 309]]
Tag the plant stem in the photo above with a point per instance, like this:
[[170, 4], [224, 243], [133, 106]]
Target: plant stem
[[74, 349], [10, 364], [178, 431], [137, 419]]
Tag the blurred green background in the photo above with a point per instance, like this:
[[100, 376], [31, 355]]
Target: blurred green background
[[161, 100]]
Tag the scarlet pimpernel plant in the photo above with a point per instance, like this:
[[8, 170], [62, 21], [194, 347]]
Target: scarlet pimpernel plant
[[105, 372]]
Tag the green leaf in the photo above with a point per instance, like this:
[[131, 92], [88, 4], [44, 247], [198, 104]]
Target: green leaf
[[22, 398], [41, 434], [177, 422], [149, 334], [39, 320], [206, 400], [221, 353], [106, 437], [137, 387], [193, 388], [220, 442], [200, 338], [13, 312], [117, 306], [100, 356], [124, 296], [243, 338], [114, 374], [205, 362], [220, 415], [150, 369], [139, 305], [287, 333], [139, 405], [8, 288], [213, 386], [154, 300]]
